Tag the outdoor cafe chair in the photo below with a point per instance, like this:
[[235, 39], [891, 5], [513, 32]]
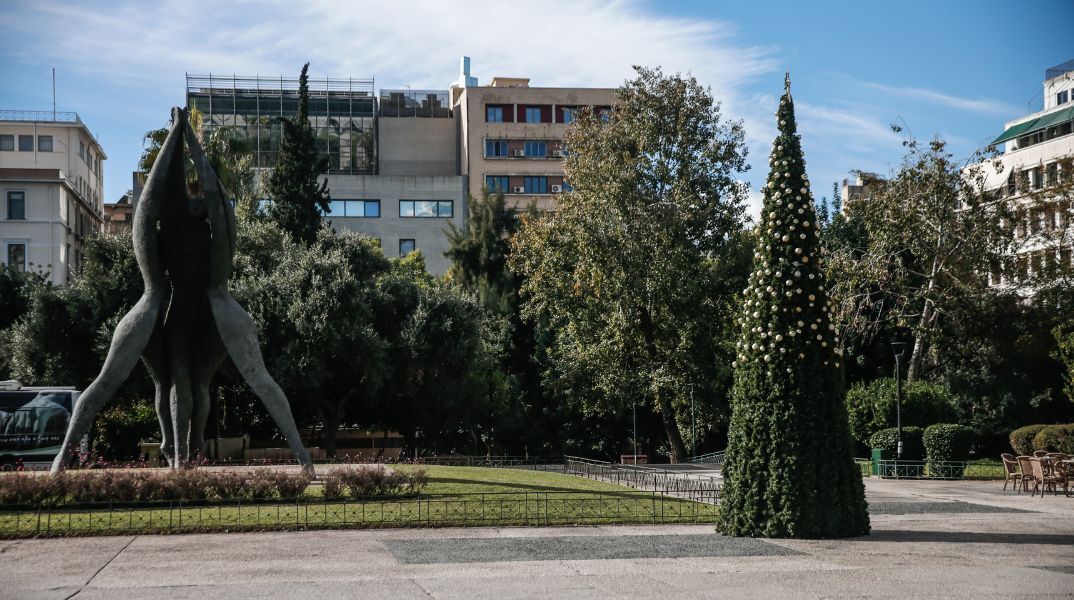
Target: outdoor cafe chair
[[1014, 474], [1026, 467], [1042, 481], [1040, 453]]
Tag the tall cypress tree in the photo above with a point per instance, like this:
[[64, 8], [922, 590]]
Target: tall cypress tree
[[790, 470], [298, 198]]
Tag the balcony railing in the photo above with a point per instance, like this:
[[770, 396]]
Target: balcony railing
[[39, 115]]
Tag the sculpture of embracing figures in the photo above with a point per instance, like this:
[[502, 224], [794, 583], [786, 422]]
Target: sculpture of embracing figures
[[186, 323]]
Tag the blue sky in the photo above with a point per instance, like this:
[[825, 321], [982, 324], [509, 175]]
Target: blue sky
[[953, 69]]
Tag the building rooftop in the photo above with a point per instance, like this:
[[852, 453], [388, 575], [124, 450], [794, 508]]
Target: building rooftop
[[52, 117], [1060, 69]]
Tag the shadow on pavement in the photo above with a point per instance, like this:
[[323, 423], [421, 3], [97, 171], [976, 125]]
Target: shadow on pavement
[[964, 537]]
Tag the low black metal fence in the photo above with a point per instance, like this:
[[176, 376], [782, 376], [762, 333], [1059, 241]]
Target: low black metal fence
[[490, 509], [903, 469], [700, 488]]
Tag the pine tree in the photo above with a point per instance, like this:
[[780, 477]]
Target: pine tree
[[298, 199], [790, 470]]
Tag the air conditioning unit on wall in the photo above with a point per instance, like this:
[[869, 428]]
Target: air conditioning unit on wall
[[518, 189], [557, 189], [520, 153]]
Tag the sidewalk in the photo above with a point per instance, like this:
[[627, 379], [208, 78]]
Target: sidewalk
[[930, 539]]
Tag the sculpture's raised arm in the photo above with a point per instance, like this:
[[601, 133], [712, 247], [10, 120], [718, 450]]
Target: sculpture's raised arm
[[219, 212], [164, 178]]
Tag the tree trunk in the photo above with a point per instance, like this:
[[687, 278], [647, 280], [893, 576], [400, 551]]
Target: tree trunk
[[331, 429], [667, 413], [913, 371]]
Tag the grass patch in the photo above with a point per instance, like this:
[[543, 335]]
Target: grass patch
[[484, 480], [455, 496]]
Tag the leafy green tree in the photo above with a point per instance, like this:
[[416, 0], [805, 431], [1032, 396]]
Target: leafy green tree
[[932, 235], [315, 308], [443, 360], [790, 470], [629, 272], [297, 196]]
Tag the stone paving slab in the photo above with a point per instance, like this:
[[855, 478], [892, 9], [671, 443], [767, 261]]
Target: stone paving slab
[[469, 550]]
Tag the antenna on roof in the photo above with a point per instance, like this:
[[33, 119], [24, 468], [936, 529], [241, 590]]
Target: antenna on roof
[[53, 94]]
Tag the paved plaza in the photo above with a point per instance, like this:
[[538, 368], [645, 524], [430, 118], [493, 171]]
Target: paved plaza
[[930, 540]]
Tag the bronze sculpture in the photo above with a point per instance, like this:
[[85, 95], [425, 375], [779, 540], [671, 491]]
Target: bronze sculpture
[[186, 322]]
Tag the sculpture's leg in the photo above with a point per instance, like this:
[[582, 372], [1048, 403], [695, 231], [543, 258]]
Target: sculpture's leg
[[239, 334], [130, 338], [155, 359], [208, 359], [180, 362]]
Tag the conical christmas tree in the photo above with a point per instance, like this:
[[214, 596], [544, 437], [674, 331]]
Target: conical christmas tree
[[790, 470]]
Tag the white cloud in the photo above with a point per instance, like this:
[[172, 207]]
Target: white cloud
[[981, 105], [555, 42]]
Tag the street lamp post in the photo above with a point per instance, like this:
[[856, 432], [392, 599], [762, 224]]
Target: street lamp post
[[635, 432], [693, 424], [898, 348]]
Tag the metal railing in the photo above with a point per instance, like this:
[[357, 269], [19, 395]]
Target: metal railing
[[712, 458], [902, 469], [490, 509], [39, 115], [699, 488]]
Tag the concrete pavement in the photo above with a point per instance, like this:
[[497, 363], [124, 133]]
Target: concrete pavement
[[930, 539]]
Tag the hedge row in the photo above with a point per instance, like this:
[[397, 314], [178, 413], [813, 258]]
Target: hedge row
[[362, 482], [137, 485], [1049, 438], [945, 442], [942, 442], [912, 447]]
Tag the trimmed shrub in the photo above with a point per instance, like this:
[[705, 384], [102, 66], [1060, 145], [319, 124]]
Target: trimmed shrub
[[333, 487], [871, 407], [946, 442], [291, 485], [912, 447], [1022, 439], [365, 481], [1055, 438]]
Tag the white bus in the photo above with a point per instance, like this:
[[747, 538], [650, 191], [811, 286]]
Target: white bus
[[33, 421]]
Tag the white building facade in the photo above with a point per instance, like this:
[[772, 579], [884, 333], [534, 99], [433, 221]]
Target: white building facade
[[1036, 173], [51, 189]]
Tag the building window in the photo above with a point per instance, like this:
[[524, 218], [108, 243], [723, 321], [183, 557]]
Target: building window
[[605, 113], [406, 246], [536, 185], [533, 114], [369, 209], [426, 208], [26, 143], [7, 142], [16, 205], [497, 184], [568, 115], [494, 114], [1062, 97], [82, 150], [537, 149], [44, 143], [16, 257], [495, 148]]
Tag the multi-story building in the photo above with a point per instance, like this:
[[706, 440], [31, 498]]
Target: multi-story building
[[511, 135], [51, 185], [403, 164], [119, 216], [1036, 172], [861, 188]]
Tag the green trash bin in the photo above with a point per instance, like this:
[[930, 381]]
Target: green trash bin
[[880, 454]]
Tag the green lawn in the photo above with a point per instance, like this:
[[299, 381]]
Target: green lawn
[[477, 480], [455, 496]]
